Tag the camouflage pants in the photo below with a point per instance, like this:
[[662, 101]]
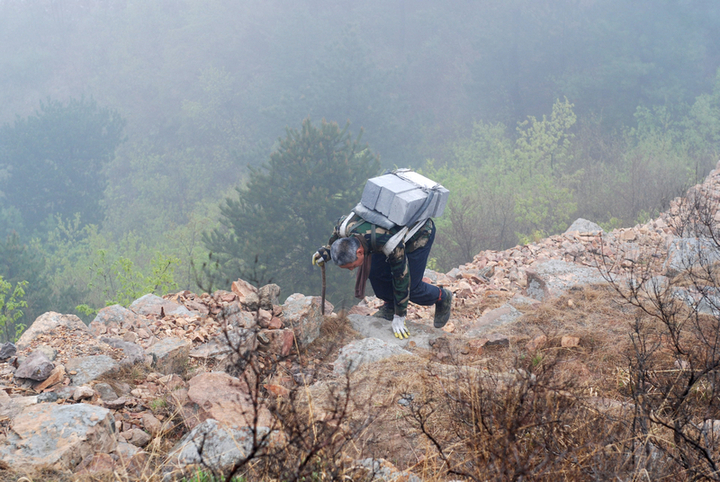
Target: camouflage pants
[[421, 293]]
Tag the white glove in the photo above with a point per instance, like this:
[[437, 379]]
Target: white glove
[[399, 328], [318, 259]]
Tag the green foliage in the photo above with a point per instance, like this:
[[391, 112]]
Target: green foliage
[[26, 262], [101, 272], [122, 283], [11, 302], [55, 160], [158, 404], [504, 191], [289, 206], [544, 201]]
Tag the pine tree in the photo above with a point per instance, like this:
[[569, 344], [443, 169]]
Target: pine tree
[[289, 206]]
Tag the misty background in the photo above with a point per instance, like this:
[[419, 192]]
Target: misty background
[[170, 145]]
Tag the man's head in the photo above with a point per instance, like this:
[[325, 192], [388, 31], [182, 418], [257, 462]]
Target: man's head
[[347, 253]]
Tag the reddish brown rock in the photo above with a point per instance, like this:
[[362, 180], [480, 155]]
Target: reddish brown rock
[[280, 342], [226, 399], [56, 376], [536, 343], [152, 424], [247, 294], [275, 323]]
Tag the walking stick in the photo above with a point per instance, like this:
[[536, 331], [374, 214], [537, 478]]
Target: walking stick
[[322, 299]]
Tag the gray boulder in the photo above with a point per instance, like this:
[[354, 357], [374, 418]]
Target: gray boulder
[[368, 350], [686, 253], [493, 319], [372, 327], [151, 304], [89, 368], [585, 227], [11, 407], [57, 436], [213, 445], [36, 367], [48, 322], [547, 279], [170, 355]]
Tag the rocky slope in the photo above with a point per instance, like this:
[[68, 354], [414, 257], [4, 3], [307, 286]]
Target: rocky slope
[[135, 390]]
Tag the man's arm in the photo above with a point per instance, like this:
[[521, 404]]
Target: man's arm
[[400, 279]]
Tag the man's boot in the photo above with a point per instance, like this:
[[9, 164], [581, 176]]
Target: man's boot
[[443, 308], [385, 312]]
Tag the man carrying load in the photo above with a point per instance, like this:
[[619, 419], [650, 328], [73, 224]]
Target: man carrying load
[[393, 257]]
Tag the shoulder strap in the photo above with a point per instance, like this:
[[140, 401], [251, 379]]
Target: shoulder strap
[[403, 235], [343, 227]]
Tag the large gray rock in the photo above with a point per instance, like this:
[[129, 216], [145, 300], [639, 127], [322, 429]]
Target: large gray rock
[[57, 436], [11, 407], [151, 304], [547, 279], [134, 353], [36, 367], [303, 314], [215, 446], [368, 350], [686, 253], [89, 368], [585, 227], [372, 327], [116, 317], [494, 319], [46, 323], [170, 355]]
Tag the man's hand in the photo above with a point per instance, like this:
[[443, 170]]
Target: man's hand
[[321, 256], [399, 328]]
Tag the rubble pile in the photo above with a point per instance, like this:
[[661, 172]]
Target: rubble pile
[[138, 366]]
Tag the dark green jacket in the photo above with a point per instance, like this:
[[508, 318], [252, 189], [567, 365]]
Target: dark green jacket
[[396, 259]]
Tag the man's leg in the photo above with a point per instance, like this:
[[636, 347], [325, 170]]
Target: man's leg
[[426, 294], [422, 293], [381, 278]]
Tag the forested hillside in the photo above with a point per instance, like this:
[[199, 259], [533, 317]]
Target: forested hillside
[[170, 145]]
